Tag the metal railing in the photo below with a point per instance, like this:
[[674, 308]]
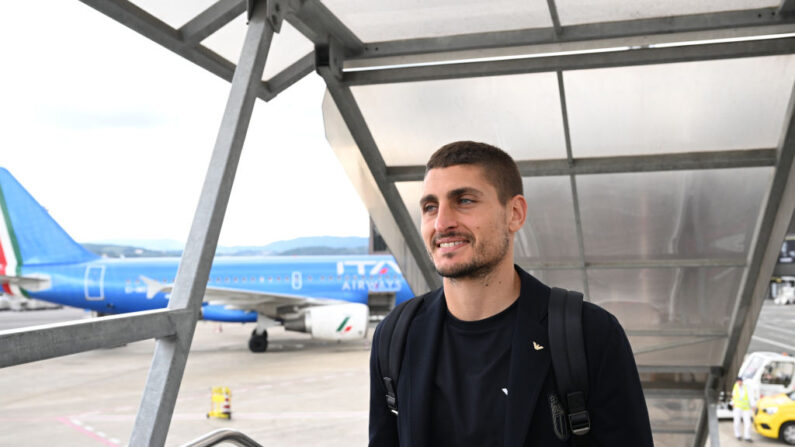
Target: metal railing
[[223, 435]]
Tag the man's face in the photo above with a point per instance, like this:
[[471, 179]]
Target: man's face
[[467, 231]]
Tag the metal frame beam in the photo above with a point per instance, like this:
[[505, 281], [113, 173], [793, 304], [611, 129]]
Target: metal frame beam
[[36, 343], [532, 264], [140, 21], [171, 353], [386, 207], [318, 24], [744, 158], [211, 20], [771, 229], [581, 61], [677, 28], [575, 197]]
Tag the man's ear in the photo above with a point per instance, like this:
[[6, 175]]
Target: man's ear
[[517, 211]]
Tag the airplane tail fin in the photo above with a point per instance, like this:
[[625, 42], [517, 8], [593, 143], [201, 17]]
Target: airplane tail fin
[[28, 235]]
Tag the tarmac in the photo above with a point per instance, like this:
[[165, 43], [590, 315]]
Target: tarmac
[[302, 392]]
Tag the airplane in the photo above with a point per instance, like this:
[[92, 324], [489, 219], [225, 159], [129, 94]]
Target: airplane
[[324, 296]]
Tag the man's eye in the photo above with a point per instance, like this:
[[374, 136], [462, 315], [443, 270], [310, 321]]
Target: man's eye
[[465, 201], [428, 208]]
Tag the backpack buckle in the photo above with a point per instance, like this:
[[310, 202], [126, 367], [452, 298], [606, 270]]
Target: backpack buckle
[[391, 398], [580, 422]]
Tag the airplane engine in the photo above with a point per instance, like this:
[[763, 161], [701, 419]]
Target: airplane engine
[[334, 322]]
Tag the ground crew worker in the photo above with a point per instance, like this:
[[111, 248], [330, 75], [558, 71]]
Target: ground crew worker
[[741, 401]]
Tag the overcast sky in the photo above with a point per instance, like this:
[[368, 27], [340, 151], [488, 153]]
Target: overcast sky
[[112, 134]]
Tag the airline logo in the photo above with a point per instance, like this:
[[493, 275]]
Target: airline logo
[[369, 275], [9, 249], [344, 326]]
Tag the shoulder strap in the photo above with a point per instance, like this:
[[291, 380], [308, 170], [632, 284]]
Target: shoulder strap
[[567, 350], [394, 331]]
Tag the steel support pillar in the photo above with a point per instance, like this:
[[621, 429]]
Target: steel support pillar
[[712, 417], [171, 353], [385, 205], [771, 229]]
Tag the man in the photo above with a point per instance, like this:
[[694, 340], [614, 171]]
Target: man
[[475, 370], [741, 402]]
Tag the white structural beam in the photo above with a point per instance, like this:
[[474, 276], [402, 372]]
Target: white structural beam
[[577, 61], [35, 343], [771, 229], [171, 353]]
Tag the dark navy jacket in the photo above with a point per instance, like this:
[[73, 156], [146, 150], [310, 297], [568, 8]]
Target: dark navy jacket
[[616, 404]]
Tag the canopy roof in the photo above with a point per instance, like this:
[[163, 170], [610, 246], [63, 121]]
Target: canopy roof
[[655, 140]]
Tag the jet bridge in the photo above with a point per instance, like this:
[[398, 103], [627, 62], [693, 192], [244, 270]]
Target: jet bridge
[[656, 142]]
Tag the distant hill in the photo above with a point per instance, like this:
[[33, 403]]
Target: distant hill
[[316, 245]]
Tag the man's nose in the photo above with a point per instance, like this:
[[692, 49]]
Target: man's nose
[[445, 218]]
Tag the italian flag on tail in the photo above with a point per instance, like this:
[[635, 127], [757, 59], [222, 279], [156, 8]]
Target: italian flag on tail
[[9, 252]]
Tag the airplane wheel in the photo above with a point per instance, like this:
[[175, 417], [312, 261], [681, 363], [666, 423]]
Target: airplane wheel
[[258, 343]]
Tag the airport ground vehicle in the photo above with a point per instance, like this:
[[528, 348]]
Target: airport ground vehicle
[[774, 417], [785, 293], [766, 374]]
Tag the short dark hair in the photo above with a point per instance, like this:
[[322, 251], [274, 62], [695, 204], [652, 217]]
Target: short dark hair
[[500, 169]]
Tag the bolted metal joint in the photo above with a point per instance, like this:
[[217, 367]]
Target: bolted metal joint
[[275, 12], [329, 59]]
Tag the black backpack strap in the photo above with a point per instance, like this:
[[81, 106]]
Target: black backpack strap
[[394, 331], [567, 350]]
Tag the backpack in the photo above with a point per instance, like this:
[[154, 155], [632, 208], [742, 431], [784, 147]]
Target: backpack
[[566, 348]]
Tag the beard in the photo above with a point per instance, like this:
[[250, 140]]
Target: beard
[[483, 262]]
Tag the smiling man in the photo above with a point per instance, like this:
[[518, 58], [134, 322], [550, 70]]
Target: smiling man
[[475, 371]]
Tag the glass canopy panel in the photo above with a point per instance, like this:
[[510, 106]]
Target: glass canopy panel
[[684, 107], [174, 12], [569, 279], [672, 439], [549, 234], [706, 214], [573, 12], [682, 301], [681, 351], [518, 113], [380, 20], [287, 47], [674, 411]]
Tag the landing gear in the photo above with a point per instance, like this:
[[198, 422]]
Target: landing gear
[[258, 342]]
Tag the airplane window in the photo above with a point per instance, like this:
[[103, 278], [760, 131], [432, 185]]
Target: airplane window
[[253, 279], [270, 279], [347, 277], [138, 281], [261, 279], [309, 278], [217, 279], [226, 279], [243, 279], [355, 277], [234, 279], [128, 281], [339, 277]]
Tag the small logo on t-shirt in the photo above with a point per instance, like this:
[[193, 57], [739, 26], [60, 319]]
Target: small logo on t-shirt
[[537, 347]]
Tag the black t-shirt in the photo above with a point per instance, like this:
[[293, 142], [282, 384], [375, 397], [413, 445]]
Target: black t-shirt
[[469, 398]]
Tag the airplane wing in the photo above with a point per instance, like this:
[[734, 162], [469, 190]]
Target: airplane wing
[[271, 304], [32, 283]]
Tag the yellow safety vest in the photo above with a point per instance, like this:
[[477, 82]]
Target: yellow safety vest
[[740, 397]]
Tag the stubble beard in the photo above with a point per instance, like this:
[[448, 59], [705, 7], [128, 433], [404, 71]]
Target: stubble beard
[[481, 265]]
